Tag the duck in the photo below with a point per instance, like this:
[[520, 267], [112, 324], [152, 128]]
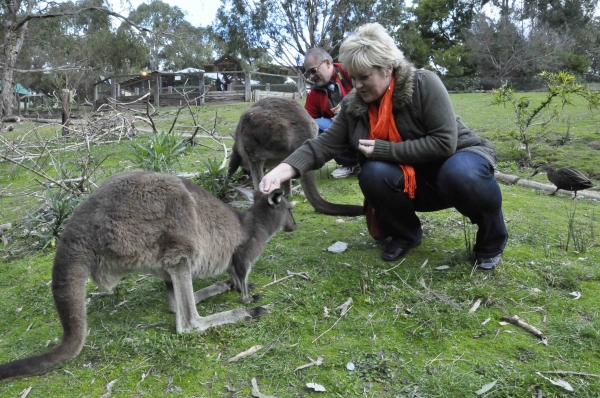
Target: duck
[[566, 178]]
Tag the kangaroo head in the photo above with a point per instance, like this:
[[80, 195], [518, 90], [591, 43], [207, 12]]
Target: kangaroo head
[[278, 210]]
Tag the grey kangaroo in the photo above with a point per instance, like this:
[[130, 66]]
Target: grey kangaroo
[[266, 134], [163, 225]]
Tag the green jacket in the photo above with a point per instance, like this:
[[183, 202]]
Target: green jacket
[[424, 117]]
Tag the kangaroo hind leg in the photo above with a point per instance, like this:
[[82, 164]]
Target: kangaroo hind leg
[[199, 295], [186, 314]]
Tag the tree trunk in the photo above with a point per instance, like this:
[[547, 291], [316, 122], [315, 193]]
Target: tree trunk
[[13, 43], [66, 110]]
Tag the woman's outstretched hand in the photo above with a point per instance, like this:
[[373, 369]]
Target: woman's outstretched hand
[[273, 179], [366, 147]]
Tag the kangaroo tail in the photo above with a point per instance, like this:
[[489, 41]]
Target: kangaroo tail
[[68, 288], [309, 186]]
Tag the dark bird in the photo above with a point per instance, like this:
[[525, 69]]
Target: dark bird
[[566, 178]]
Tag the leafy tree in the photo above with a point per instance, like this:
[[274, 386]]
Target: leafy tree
[[442, 26], [173, 43]]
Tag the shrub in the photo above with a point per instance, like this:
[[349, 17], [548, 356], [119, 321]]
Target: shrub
[[46, 224], [159, 152], [214, 179]]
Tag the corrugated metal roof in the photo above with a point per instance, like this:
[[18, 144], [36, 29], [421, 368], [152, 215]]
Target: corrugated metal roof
[[18, 89]]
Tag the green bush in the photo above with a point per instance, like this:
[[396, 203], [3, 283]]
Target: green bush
[[43, 227], [214, 179], [159, 152]]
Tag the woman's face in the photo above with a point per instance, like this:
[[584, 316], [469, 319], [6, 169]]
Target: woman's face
[[372, 83]]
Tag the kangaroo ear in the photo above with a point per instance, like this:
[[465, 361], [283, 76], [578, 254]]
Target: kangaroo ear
[[275, 197], [249, 193]]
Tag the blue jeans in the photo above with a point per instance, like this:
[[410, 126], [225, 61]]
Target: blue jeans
[[349, 157], [465, 181]]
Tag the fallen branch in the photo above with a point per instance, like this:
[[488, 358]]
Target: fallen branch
[[243, 354], [45, 176], [318, 362], [290, 275], [443, 298], [569, 372], [256, 393], [151, 325], [515, 320]]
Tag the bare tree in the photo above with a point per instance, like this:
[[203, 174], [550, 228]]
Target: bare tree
[[506, 49], [17, 16], [284, 29]]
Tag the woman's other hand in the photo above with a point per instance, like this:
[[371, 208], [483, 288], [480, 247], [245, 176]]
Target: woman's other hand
[[366, 147]]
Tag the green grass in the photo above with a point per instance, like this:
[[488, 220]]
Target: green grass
[[403, 340]]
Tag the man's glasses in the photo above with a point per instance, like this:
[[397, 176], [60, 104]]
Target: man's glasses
[[313, 71]]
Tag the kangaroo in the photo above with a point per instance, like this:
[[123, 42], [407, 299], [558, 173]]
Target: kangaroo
[[270, 131], [163, 225]]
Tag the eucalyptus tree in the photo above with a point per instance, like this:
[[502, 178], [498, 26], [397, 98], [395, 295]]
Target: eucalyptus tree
[[441, 27], [285, 29], [173, 43]]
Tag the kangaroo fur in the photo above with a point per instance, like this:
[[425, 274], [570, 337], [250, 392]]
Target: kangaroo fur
[[270, 131], [160, 224]]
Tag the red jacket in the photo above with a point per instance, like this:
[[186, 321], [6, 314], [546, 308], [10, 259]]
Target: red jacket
[[317, 103]]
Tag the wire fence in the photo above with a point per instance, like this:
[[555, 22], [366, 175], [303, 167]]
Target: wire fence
[[522, 83]]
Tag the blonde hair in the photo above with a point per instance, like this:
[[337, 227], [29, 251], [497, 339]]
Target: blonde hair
[[370, 46]]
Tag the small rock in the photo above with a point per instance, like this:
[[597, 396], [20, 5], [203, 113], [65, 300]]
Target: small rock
[[338, 247]]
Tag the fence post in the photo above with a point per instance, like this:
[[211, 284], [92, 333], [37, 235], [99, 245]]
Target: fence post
[[95, 97], [113, 89], [201, 86], [299, 85], [267, 86], [157, 90], [248, 90], [66, 111]]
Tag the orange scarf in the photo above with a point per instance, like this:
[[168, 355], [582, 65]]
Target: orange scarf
[[383, 127]]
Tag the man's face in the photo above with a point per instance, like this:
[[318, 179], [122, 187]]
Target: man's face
[[319, 71]]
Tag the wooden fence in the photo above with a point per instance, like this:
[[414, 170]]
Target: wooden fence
[[170, 96]]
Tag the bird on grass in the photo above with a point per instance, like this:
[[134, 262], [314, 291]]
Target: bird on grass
[[566, 178]]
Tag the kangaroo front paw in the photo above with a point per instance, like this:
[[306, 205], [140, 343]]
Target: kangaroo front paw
[[256, 312], [256, 298], [250, 287]]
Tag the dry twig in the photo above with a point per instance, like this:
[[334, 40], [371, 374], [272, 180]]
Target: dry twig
[[515, 320], [332, 326], [290, 275], [569, 372], [243, 354], [441, 297]]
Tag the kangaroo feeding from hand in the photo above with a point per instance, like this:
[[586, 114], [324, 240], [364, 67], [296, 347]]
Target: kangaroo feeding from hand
[[160, 224], [270, 131]]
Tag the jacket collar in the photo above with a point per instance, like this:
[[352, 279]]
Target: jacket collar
[[403, 91]]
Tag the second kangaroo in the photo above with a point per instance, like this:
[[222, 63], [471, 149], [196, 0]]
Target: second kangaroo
[[266, 134]]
